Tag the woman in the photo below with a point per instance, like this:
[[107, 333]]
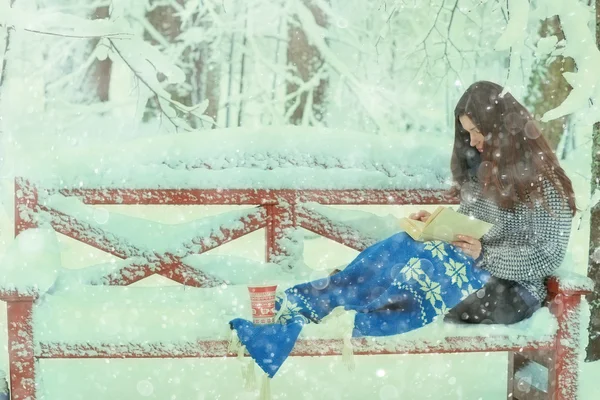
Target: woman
[[505, 174]]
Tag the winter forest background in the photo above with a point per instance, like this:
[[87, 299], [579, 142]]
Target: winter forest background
[[399, 66], [80, 73]]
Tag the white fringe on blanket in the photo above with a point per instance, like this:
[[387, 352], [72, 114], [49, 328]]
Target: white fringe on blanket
[[344, 326], [265, 389], [348, 354], [249, 376], [234, 342]]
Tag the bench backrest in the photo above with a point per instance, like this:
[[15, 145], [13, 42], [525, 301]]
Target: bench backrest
[[279, 211]]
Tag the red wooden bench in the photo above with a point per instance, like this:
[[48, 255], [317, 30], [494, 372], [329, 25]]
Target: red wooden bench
[[280, 212]]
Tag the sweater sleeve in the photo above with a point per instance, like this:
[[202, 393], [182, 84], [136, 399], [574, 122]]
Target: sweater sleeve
[[535, 250], [463, 208]]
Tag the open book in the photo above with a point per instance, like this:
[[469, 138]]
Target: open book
[[445, 224]]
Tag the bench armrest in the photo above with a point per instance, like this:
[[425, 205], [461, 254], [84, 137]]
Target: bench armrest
[[18, 295], [569, 283]]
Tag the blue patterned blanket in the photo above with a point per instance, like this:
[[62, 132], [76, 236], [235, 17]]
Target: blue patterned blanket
[[395, 286]]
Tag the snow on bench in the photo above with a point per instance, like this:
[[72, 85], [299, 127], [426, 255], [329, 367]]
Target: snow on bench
[[100, 319], [151, 236], [74, 318], [346, 223], [303, 158]]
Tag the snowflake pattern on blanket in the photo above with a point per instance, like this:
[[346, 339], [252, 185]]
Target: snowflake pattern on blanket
[[395, 286]]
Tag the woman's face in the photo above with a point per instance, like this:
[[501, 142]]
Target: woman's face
[[477, 137]]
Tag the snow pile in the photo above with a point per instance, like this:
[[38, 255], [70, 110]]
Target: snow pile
[[239, 270], [273, 157], [368, 224], [139, 233], [137, 314], [31, 263], [570, 280], [92, 275], [541, 326]]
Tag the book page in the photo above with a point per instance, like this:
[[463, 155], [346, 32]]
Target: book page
[[449, 223], [433, 216], [413, 227]]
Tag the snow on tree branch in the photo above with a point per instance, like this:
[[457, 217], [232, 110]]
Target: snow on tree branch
[[316, 35], [516, 29], [440, 34], [144, 60], [61, 24], [581, 46]]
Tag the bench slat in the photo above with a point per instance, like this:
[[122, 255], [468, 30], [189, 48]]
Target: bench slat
[[570, 284], [17, 295], [303, 348]]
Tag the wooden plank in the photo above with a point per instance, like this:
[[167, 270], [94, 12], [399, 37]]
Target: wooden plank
[[259, 196], [26, 201], [21, 350], [18, 295], [280, 229], [555, 287], [303, 348], [563, 377], [377, 197], [510, 393], [171, 196], [542, 357]]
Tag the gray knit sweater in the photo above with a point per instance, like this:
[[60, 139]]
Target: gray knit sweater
[[525, 245]]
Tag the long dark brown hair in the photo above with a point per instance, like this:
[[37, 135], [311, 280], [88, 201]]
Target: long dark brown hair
[[516, 157]]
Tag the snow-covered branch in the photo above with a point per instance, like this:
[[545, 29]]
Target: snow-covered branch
[[61, 24], [315, 36], [117, 39], [581, 46]]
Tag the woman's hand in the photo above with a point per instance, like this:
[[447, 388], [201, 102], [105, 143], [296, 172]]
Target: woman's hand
[[422, 216], [470, 246]]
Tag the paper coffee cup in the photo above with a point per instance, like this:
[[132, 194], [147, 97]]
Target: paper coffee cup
[[262, 302]]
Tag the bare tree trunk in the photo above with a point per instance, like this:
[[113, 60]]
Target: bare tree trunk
[[9, 31], [230, 81], [205, 74], [547, 86], [99, 73], [243, 68], [593, 349], [165, 20], [213, 84], [206, 79], [307, 61]]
